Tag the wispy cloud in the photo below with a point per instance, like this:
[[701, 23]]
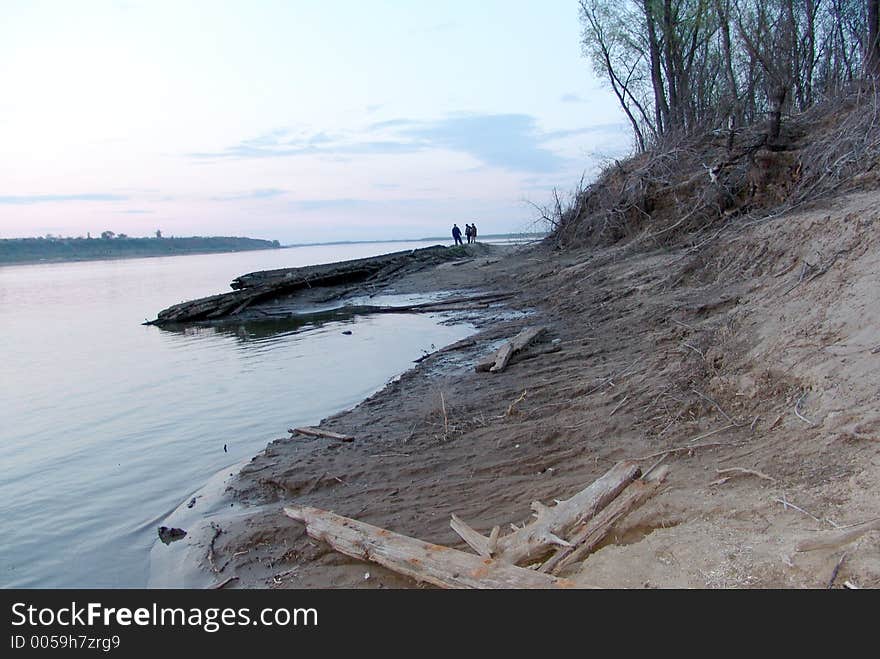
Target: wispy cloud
[[509, 141], [572, 98], [136, 211], [309, 205], [612, 127], [262, 193], [316, 145], [55, 198], [438, 27], [391, 123]]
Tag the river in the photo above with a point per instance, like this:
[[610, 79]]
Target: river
[[106, 425]]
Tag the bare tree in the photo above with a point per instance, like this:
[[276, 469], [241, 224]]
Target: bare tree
[[679, 66]]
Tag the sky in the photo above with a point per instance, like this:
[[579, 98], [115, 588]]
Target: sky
[[294, 120]]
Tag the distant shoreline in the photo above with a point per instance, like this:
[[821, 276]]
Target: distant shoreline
[[30, 251], [40, 250]]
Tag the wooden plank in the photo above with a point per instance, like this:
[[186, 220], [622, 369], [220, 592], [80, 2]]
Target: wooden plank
[[317, 432], [488, 362], [588, 536], [513, 346], [552, 524], [498, 360], [423, 561]]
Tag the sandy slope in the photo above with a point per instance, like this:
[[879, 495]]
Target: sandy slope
[[739, 349]]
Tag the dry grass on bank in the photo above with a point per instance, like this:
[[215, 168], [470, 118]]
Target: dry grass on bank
[[691, 187]]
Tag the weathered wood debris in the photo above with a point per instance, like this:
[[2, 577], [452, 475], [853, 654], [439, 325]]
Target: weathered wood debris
[[531, 556], [423, 561], [270, 284], [317, 432], [498, 361]]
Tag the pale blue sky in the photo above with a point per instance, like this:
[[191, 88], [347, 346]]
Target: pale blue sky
[[293, 120]]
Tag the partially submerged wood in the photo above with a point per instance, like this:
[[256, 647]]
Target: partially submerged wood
[[497, 362], [292, 310], [553, 524], [588, 536], [423, 561], [258, 287], [458, 345], [317, 432]]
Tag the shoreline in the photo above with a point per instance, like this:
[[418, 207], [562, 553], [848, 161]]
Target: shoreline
[[21, 251], [659, 359], [182, 564], [127, 257]]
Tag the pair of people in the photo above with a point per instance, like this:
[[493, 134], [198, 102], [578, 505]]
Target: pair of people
[[470, 231]]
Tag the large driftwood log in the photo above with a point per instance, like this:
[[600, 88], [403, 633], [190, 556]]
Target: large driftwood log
[[498, 362], [259, 287], [585, 539], [535, 539], [317, 432], [423, 561]]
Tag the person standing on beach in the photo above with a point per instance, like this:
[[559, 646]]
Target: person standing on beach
[[467, 232], [456, 234], [473, 232]]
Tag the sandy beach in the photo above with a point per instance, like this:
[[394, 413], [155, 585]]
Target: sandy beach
[[721, 362]]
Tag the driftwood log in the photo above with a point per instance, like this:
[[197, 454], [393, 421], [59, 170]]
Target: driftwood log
[[258, 287], [423, 561], [548, 530], [497, 362], [317, 432], [588, 536]]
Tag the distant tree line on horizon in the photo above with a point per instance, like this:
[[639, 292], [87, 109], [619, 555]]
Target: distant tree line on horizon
[[684, 66], [111, 245]]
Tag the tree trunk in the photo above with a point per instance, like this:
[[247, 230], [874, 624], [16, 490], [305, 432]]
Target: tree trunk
[[872, 58], [721, 7], [661, 108]]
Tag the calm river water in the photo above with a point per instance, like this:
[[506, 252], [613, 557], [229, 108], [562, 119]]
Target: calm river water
[[107, 425]]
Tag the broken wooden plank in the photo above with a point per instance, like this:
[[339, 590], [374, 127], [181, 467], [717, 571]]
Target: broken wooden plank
[[516, 344], [552, 524], [587, 537], [498, 361], [317, 432], [423, 561]]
